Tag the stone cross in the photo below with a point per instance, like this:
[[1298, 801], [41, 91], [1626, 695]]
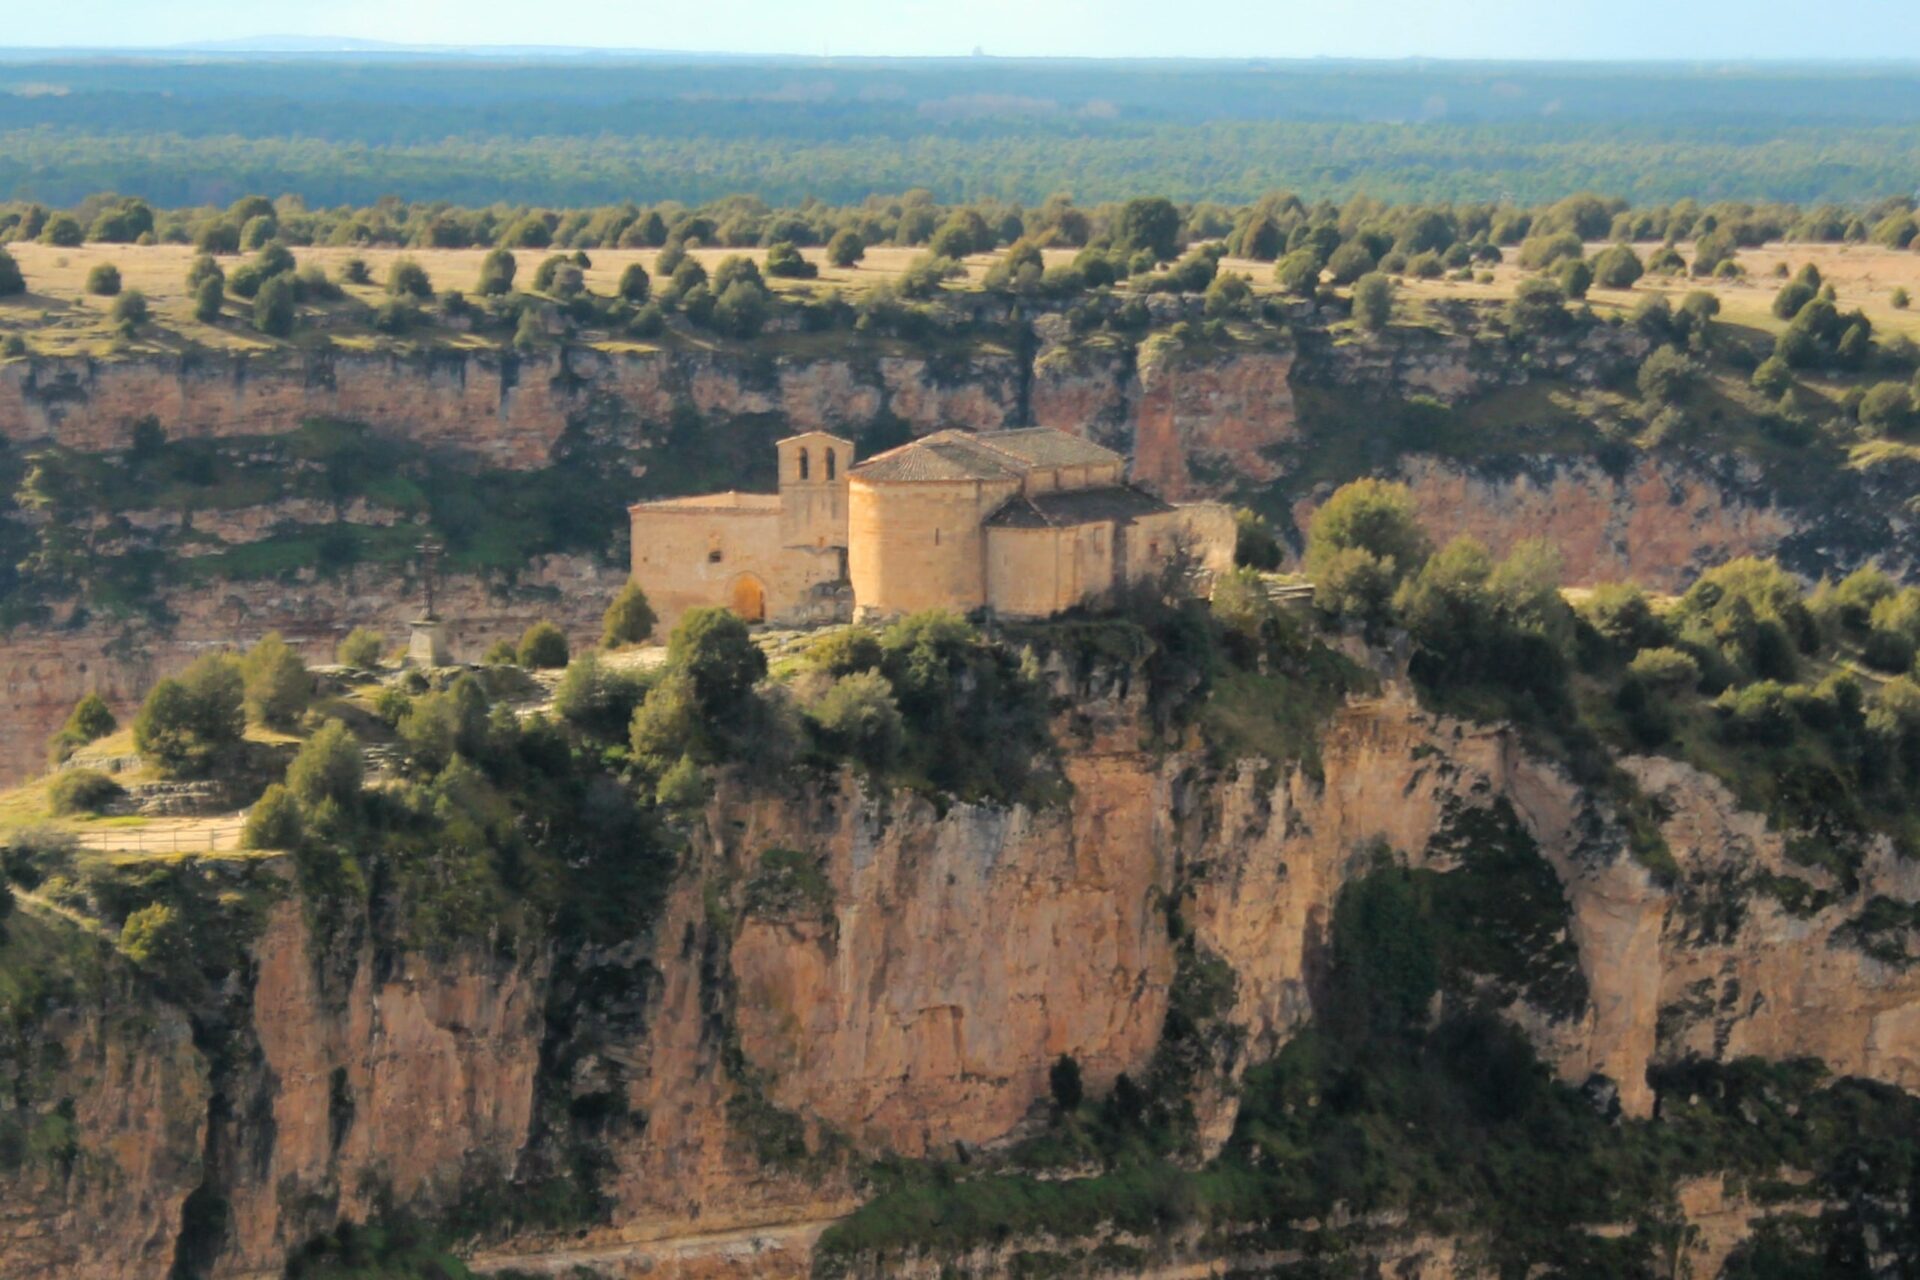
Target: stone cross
[[429, 549]]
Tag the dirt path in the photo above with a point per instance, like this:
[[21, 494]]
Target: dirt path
[[769, 1250]]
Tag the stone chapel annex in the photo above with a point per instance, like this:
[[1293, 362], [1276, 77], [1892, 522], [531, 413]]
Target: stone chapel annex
[[1024, 523]]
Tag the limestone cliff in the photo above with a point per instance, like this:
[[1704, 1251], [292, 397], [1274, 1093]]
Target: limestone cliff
[[840, 973], [1198, 420]]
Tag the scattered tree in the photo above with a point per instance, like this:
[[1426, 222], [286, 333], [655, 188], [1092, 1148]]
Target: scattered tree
[[629, 619], [543, 647], [276, 684], [103, 281], [361, 649], [1373, 301], [496, 273]]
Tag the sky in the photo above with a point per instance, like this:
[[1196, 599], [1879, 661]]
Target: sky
[[1500, 29]]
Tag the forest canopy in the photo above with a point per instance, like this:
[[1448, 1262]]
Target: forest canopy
[[579, 132]]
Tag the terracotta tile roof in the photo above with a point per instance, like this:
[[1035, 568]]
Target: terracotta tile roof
[[1113, 503], [944, 455], [1045, 447], [985, 455]]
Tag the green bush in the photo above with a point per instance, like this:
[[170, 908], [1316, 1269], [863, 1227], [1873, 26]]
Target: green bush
[[187, 724], [1667, 668], [843, 652], [598, 698], [1617, 267], [90, 720], [408, 279], [103, 281], [1373, 301], [857, 716], [496, 273], [328, 767], [273, 822], [276, 682], [12, 282], [846, 248], [361, 649], [635, 284], [785, 261], [543, 647], [1254, 545], [154, 937], [1376, 517], [629, 619], [82, 791]]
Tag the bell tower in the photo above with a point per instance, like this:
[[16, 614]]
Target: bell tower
[[813, 490]]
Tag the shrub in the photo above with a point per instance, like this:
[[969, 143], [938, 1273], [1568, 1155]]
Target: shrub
[[496, 273], [273, 822], [785, 260], [1666, 261], [128, 312], [1375, 516], [1667, 668], [1617, 267], [1575, 277], [846, 248], [1886, 409], [1793, 297], [361, 649], [858, 715], [328, 767], [629, 619], [712, 646], [273, 307], [154, 937], [500, 653], [355, 271], [1772, 377], [1622, 616], [12, 282], [82, 791], [1349, 262], [635, 284], [1298, 272], [1665, 376], [1538, 252], [1538, 306], [843, 652], [275, 682], [596, 697], [1373, 301], [208, 298], [187, 724], [408, 279], [543, 647], [104, 280], [62, 231], [1900, 298], [89, 721]]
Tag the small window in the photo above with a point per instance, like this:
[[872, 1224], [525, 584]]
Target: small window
[[804, 464], [936, 537], [713, 549], [831, 460]]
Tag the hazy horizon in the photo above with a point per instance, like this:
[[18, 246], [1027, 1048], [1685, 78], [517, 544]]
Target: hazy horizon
[[1713, 31]]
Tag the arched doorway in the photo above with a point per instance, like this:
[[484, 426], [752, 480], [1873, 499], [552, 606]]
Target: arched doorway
[[748, 598]]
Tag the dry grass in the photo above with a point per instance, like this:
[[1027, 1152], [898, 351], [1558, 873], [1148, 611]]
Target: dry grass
[[64, 319]]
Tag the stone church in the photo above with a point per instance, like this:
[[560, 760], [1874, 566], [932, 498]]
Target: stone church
[[1024, 523]]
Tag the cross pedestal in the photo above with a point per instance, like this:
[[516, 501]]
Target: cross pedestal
[[427, 646]]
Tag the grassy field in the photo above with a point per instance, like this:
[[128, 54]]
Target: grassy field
[[63, 319]]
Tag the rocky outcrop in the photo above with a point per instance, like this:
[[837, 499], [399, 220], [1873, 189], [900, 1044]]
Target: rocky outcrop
[[108, 1107], [839, 973]]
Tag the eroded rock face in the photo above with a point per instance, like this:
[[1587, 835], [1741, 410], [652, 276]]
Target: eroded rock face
[[406, 1083], [1658, 523], [118, 1116], [911, 995]]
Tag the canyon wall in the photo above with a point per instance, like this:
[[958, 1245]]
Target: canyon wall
[[1198, 421], [909, 993]]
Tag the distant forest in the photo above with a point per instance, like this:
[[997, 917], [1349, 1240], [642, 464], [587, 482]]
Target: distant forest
[[203, 131]]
